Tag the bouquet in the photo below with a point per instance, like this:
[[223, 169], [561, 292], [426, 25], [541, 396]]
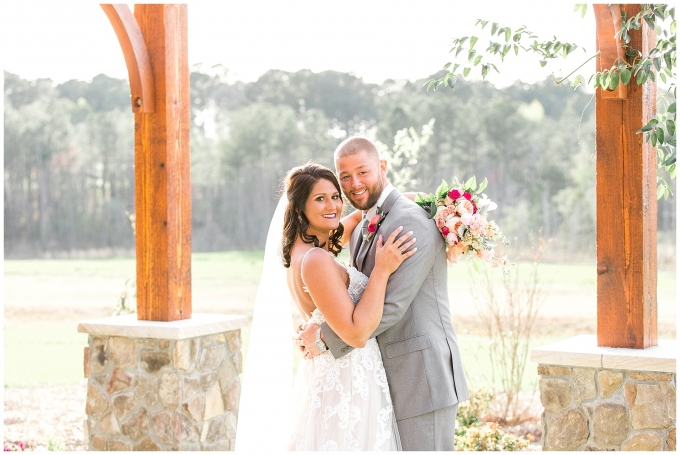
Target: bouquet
[[460, 212]]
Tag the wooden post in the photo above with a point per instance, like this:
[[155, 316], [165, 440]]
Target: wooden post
[[162, 164], [626, 196], [136, 56]]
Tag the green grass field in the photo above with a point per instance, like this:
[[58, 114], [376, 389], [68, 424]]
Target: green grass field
[[43, 355], [46, 349]]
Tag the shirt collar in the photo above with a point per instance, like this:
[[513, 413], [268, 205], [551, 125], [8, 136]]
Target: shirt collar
[[385, 192]]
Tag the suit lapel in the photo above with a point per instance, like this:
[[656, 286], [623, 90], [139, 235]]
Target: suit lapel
[[366, 246]]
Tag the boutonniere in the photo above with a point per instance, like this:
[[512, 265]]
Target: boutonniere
[[369, 231]]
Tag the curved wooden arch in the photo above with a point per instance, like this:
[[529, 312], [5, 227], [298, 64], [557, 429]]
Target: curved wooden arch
[[142, 91], [607, 22]]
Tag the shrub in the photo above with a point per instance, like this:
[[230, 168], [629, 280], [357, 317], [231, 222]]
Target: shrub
[[490, 437], [509, 319], [55, 444], [473, 433], [470, 412]]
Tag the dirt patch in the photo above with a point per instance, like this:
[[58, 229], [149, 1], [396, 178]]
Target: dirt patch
[[38, 416]]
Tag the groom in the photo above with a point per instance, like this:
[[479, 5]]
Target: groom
[[415, 335]]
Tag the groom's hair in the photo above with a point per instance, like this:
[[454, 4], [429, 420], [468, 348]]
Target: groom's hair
[[356, 144]]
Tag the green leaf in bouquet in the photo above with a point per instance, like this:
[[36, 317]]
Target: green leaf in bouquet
[[433, 209], [424, 201], [471, 183], [482, 186], [442, 190]]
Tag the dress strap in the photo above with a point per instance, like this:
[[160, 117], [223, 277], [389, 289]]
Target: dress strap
[[304, 286]]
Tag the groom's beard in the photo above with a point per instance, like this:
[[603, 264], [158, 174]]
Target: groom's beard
[[374, 192]]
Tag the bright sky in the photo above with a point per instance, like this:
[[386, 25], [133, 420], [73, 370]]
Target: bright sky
[[374, 39]]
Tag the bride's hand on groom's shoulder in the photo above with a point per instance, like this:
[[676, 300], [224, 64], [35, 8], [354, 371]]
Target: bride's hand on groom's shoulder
[[394, 251]]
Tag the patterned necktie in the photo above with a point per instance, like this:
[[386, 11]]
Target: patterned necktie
[[360, 240], [364, 227]]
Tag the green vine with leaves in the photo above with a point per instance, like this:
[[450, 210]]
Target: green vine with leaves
[[661, 61]]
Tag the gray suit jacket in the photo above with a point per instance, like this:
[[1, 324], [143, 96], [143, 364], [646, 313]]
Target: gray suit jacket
[[416, 338]]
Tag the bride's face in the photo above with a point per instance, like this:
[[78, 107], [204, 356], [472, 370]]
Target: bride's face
[[323, 208]]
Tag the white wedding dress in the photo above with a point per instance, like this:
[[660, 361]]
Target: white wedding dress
[[343, 404]]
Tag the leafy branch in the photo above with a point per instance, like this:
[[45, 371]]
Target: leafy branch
[[661, 60]]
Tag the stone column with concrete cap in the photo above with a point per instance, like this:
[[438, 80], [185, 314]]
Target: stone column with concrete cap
[[602, 398], [163, 385]]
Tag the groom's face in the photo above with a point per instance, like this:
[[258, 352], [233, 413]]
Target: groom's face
[[362, 178]]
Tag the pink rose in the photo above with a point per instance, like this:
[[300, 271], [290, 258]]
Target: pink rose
[[454, 194], [448, 211], [375, 219], [372, 228], [474, 208], [467, 196], [445, 231]]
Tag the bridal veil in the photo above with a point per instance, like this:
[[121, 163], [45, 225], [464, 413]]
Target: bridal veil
[[265, 406]]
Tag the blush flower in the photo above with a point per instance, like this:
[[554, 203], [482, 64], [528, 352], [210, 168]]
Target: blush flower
[[485, 255], [464, 207]]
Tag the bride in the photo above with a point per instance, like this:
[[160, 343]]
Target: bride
[[337, 404]]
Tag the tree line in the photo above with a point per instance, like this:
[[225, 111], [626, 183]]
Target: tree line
[[69, 176]]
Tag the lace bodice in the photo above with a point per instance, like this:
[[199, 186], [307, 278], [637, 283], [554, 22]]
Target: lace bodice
[[357, 285], [343, 404]]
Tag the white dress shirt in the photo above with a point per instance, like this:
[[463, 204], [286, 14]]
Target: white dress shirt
[[368, 214]]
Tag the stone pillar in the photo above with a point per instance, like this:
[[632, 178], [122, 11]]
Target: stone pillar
[[163, 385], [607, 398]]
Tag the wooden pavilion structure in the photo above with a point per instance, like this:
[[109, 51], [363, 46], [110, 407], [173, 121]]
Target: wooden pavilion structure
[[626, 194], [166, 345], [154, 43]]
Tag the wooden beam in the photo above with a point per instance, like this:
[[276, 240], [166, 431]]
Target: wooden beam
[[607, 22], [130, 37], [626, 204], [162, 163]]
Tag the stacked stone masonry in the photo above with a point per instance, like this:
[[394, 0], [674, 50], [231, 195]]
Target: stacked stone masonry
[[156, 394], [602, 409]]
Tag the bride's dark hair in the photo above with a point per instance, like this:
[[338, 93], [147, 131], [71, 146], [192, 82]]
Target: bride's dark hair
[[298, 185]]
